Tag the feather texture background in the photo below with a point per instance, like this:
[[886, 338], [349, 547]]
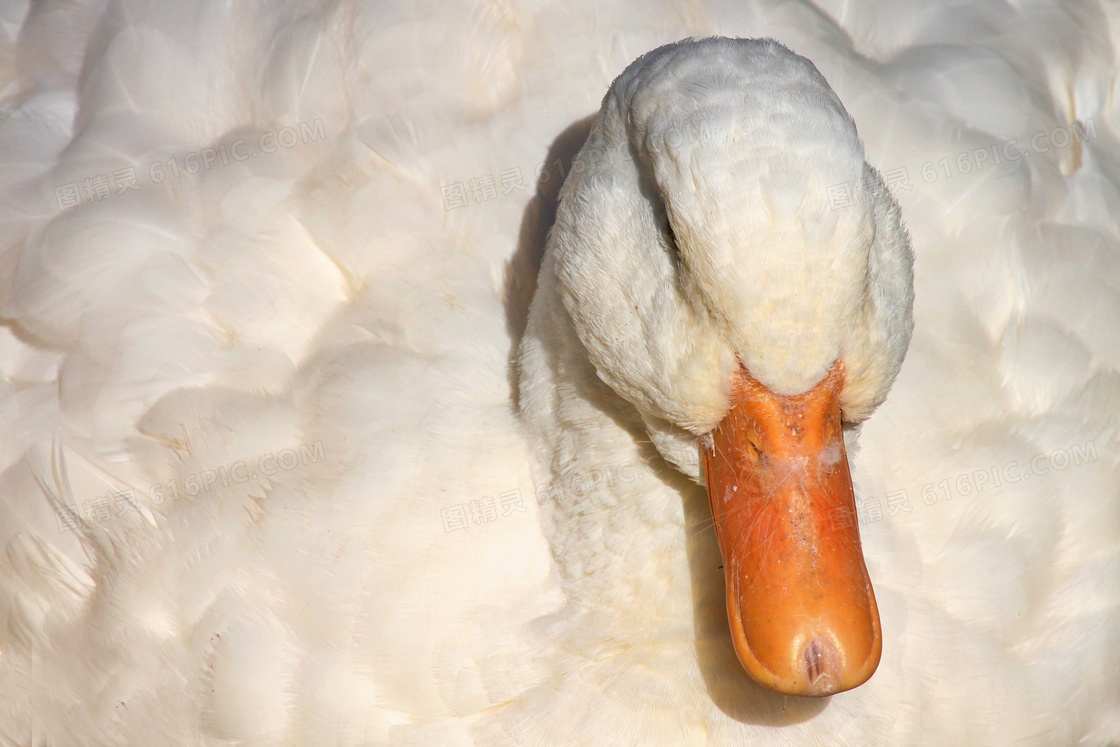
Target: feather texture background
[[263, 268]]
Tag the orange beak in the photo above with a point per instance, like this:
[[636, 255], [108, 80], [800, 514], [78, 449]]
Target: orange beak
[[800, 604]]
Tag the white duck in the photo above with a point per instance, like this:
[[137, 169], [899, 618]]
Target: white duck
[[695, 232], [328, 304]]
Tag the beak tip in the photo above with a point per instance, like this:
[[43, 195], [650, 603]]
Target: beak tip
[[820, 668], [824, 672]]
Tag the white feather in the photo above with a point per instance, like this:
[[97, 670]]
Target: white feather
[[299, 362]]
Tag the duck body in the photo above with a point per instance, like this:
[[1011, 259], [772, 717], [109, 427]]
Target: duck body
[[341, 295]]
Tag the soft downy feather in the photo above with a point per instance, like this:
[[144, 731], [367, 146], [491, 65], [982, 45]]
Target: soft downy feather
[[330, 303]]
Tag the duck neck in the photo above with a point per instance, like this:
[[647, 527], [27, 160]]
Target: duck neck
[[618, 518]]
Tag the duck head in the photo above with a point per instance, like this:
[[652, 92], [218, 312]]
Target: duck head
[[736, 271]]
